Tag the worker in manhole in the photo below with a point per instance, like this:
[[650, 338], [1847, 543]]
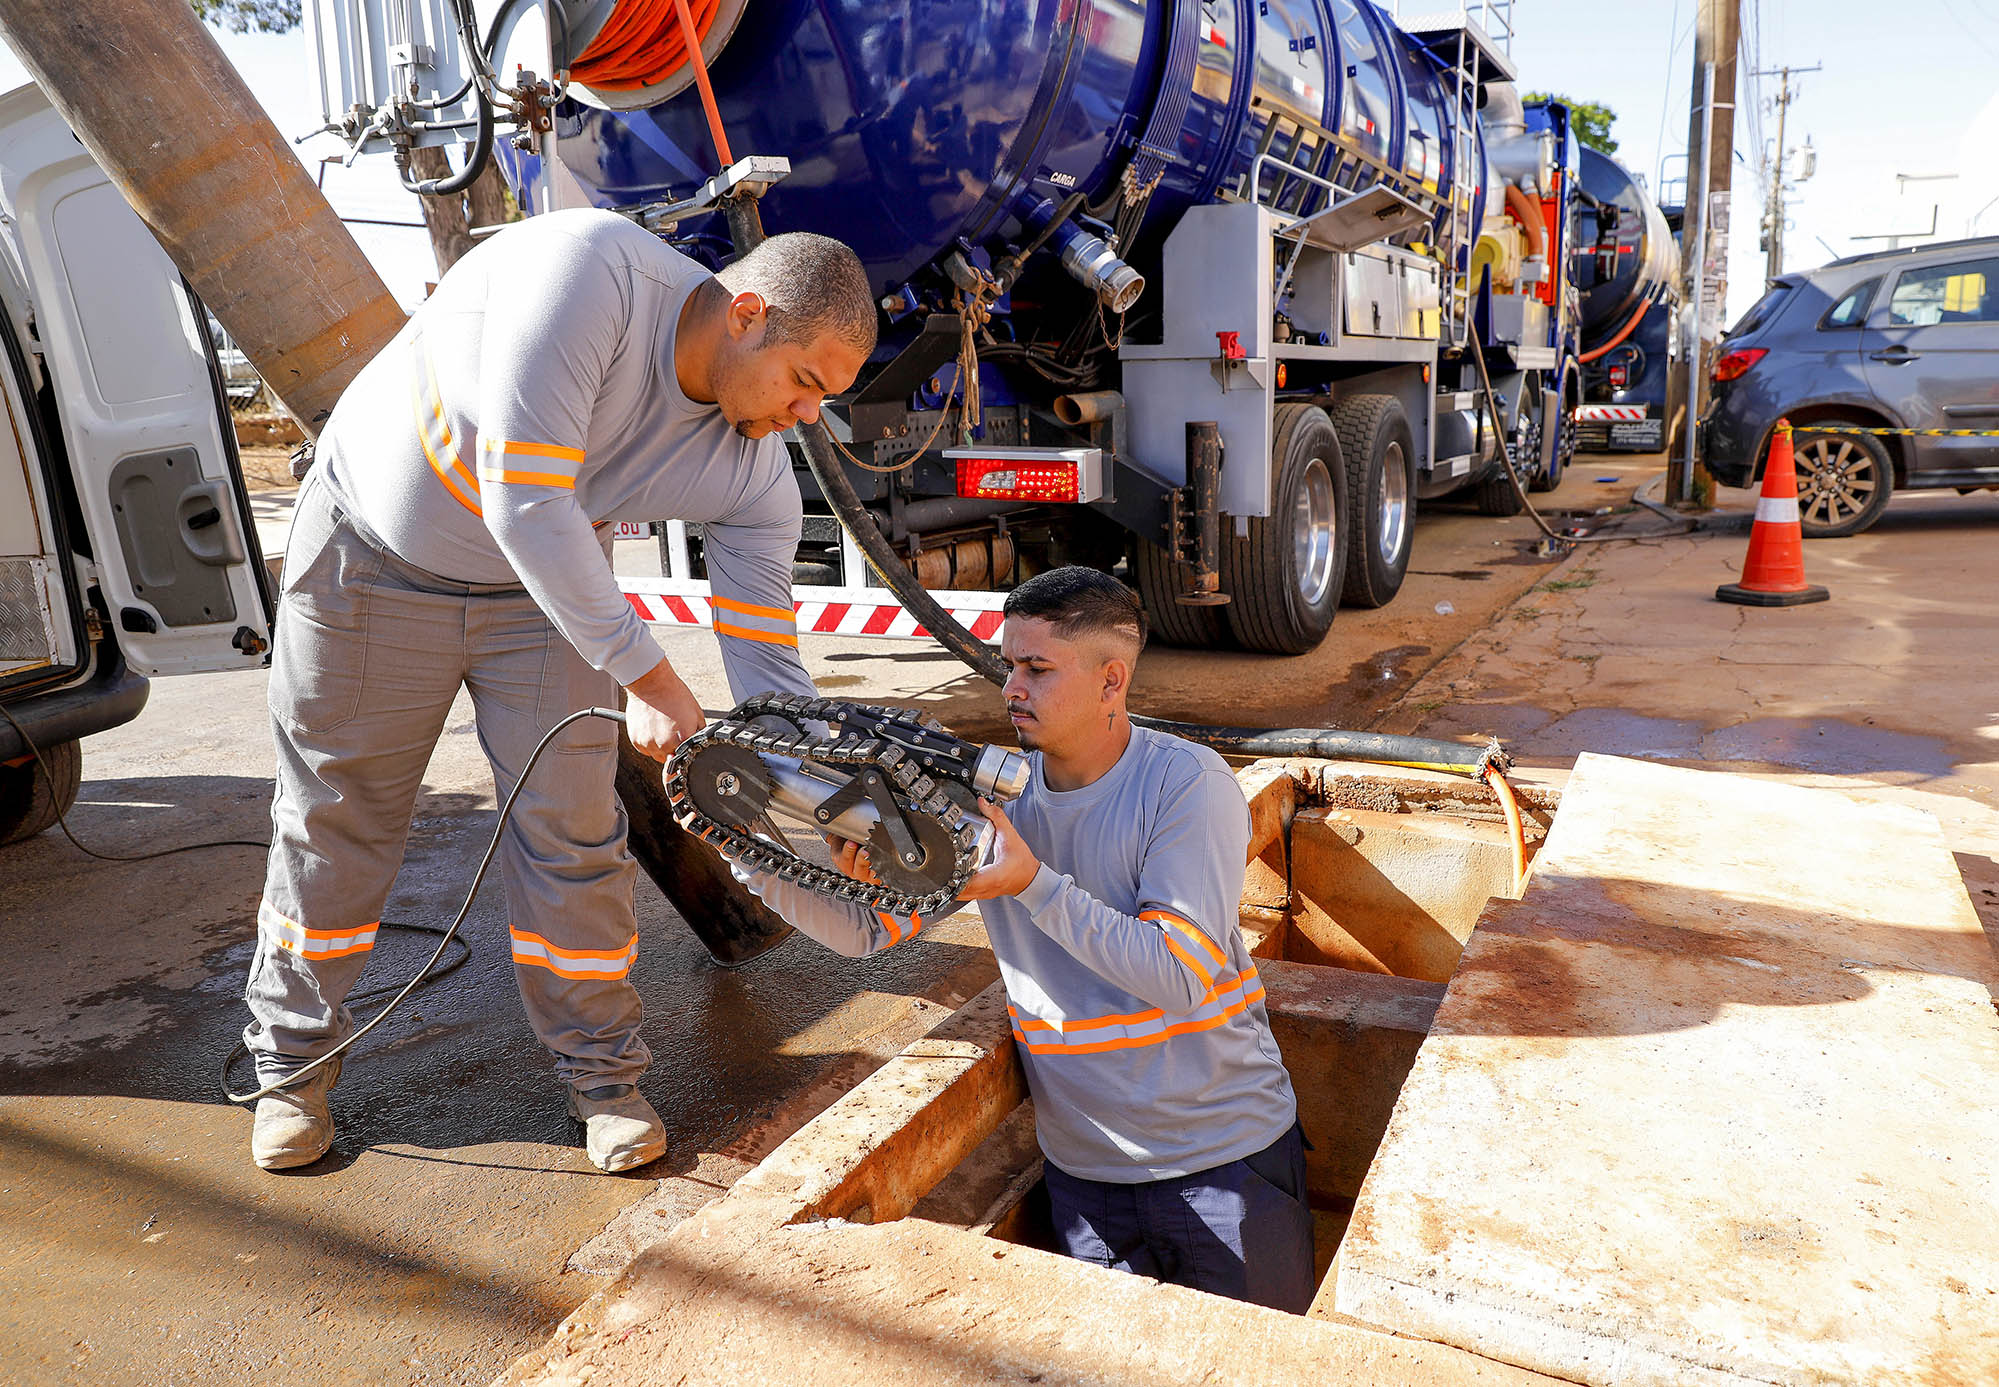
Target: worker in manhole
[[1163, 1108], [454, 531]]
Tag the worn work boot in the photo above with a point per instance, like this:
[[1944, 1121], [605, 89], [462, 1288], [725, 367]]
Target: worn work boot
[[620, 1128], [293, 1125]]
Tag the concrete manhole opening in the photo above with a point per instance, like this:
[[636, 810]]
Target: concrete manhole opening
[[1362, 888]]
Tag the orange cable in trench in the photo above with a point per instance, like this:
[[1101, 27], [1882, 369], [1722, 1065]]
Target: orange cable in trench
[[1514, 826]]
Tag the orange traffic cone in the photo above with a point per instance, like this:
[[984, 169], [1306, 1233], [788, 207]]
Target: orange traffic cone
[[1773, 574]]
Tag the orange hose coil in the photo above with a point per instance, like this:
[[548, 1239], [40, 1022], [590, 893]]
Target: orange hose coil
[[1624, 332], [640, 45]]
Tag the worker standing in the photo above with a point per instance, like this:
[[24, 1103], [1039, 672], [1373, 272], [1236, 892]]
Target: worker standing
[[570, 372]]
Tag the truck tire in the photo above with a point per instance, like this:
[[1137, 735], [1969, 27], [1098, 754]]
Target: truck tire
[[1380, 459], [1284, 577], [1547, 478], [31, 801], [1844, 479], [1159, 584], [1496, 495]]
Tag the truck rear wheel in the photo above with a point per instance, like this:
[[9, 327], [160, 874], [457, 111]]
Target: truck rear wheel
[[1381, 483], [1496, 494], [1160, 582], [32, 800], [1284, 576]]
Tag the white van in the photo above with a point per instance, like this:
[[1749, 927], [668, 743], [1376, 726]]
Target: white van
[[126, 548]]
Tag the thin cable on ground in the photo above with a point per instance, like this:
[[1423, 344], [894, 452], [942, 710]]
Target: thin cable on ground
[[62, 819], [429, 974], [478, 877], [1520, 488]]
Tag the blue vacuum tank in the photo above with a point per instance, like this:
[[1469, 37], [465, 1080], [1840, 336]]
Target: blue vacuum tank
[[916, 129]]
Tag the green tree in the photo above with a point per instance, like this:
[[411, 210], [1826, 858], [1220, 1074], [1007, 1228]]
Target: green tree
[[1591, 120], [241, 16]]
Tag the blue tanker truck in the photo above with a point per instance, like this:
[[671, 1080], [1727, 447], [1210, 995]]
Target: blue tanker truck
[[1212, 294], [1630, 306]]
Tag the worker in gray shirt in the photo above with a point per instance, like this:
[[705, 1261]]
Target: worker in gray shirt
[[1111, 907], [570, 372]]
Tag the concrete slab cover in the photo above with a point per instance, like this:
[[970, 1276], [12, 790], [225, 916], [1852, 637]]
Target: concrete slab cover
[[1713, 1103]]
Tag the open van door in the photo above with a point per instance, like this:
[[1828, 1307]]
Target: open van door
[[150, 450]]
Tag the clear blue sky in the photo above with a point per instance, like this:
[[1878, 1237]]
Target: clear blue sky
[[1901, 86]]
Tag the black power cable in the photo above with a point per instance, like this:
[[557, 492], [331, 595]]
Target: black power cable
[[428, 974]]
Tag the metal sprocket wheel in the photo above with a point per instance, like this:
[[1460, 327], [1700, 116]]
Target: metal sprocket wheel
[[729, 784], [933, 873]]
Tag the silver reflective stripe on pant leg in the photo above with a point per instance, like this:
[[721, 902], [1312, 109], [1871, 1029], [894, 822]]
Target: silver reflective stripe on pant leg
[[562, 855], [363, 673]]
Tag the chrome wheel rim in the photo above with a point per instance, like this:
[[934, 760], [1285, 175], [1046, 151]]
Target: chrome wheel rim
[[1527, 440], [1837, 480], [1392, 503], [1314, 533]]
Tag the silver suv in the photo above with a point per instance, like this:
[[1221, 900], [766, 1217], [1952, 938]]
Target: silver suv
[[1900, 339]]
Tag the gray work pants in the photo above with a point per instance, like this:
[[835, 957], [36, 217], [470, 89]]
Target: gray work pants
[[368, 655]]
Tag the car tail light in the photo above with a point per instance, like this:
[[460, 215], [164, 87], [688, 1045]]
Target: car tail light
[[1736, 363], [1049, 475], [1620, 376]]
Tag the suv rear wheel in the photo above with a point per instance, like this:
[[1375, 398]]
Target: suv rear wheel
[[1844, 479]]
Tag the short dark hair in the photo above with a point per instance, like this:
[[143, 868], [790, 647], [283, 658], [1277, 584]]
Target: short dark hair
[[811, 286], [1079, 601]]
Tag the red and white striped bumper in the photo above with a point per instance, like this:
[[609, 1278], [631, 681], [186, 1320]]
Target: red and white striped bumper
[[821, 611], [1610, 414]]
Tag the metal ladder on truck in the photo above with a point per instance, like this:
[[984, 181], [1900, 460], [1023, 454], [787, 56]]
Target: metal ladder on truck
[[1475, 44]]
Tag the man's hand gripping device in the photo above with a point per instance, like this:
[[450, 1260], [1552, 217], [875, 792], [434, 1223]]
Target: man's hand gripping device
[[892, 780]]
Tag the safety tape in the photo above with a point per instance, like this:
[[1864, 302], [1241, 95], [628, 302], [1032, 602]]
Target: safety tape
[[1899, 433], [820, 611]]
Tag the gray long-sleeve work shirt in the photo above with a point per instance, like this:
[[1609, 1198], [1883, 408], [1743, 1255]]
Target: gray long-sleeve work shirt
[[1136, 1007], [532, 399]]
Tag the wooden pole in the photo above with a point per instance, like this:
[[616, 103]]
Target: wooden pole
[[158, 104], [1704, 239]]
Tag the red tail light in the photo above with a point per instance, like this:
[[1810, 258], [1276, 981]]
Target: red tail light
[[1736, 363], [1620, 376], [1019, 479]]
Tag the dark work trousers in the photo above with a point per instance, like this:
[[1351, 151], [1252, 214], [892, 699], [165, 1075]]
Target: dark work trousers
[[1241, 1230]]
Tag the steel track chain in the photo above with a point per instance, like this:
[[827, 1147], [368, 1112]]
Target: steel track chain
[[914, 790]]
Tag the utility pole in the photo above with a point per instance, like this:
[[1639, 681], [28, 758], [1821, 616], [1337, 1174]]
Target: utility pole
[[1704, 241], [1773, 213]]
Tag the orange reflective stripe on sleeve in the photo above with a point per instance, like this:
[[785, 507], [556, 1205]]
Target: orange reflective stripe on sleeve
[[1189, 934], [492, 469], [896, 933], [1227, 999], [536, 450], [1193, 964]]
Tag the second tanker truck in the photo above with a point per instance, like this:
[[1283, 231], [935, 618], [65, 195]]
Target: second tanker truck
[[1105, 235]]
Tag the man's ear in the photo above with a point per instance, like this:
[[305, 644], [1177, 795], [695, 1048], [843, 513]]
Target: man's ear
[[746, 311], [1116, 677]]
